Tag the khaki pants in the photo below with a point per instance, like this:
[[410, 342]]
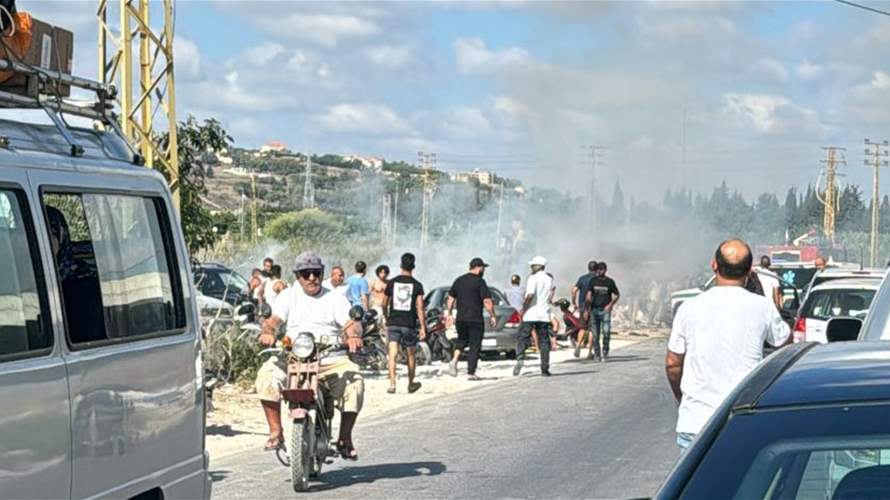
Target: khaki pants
[[341, 378]]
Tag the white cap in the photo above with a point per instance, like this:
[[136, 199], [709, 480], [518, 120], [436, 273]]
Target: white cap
[[538, 261]]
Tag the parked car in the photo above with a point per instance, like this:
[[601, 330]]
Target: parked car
[[221, 282], [100, 348], [798, 274], [840, 298], [843, 271], [790, 295], [809, 422], [501, 339], [876, 325]]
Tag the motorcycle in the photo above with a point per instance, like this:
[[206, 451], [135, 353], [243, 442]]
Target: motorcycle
[[372, 355], [440, 346], [310, 408]]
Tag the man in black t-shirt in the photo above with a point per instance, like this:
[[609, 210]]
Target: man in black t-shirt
[[471, 294], [602, 294], [403, 307], [579, 293]]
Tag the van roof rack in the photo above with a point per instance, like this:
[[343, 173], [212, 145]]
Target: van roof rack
[[35, 96]]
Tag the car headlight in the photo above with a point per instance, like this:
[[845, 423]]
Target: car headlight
[[303, 345]]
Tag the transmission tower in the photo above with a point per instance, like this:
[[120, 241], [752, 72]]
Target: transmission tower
[[875, 157], [308, 186], [427, 162], [831, 196], [147, 96]]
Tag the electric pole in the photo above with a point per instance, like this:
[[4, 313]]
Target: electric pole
[[308, 187], [592, 156], [395, 211], [427, 162], [831, 197], [254, 226], [385, 219], [878, 153], [497, 235]]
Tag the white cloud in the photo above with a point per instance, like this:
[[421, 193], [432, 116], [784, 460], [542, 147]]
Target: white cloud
[[510, 107], [390, 56], [467, 122], [326, 30], [686, 26], [880, 80], [371, 119], [264, 54], [770, 114], [808, 70], [299, 61], [188, 60], [473, 55], [771, 69]]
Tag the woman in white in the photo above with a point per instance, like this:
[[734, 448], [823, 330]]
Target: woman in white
[[273, 286]]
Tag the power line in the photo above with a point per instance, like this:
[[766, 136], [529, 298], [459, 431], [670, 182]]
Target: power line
[[864, 7]]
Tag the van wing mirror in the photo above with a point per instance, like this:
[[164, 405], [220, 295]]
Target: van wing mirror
[[843, 329]]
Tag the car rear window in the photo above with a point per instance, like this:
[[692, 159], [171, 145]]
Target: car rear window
[[799, 277], [826, 304]]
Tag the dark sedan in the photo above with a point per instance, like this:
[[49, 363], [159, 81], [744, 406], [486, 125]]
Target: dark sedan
[[501, 339], [809, 422]]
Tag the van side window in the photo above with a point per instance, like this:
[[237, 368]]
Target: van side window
[[24, 325], [113, 256]]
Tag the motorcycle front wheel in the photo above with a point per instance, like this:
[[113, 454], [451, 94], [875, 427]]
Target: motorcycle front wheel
[[301, 456]]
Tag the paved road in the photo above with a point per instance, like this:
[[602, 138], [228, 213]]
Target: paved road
[[590, 431]]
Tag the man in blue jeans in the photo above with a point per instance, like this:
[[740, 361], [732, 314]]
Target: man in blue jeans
[[602, 294]]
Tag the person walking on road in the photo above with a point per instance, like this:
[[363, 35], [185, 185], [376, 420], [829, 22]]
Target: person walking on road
[[536, 316], [357, 287], [717, 339], [405, 320], [579, 303], [602, 294], [471, 294]]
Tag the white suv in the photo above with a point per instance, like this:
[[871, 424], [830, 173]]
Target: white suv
[[845, 297]]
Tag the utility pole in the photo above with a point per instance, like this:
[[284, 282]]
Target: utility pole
[[831, 197], [254, 226], [427, 162], [395, 212], [385, 220], [497, 234], [308, 187], [241, 215], [878, 153], [592, 156]]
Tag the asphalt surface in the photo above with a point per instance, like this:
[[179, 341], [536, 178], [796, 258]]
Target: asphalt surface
[[590, 431]]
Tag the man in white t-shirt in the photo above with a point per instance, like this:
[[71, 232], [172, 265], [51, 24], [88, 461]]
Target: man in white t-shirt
[[536, 316], [337, 282], [717, 339], [770, 281], [309, 307]]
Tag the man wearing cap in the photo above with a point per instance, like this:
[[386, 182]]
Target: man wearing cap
[[309, 307], [602, 294], [471, 294], [403, 308], [536, 315]]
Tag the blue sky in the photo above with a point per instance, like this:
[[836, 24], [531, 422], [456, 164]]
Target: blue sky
[[517, 87]]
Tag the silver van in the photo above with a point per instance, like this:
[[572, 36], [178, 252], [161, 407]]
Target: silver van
[[100, 362]]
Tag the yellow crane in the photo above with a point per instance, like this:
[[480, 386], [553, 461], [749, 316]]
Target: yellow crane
[[145, 81]]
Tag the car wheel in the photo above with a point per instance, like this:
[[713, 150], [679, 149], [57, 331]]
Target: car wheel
[[511, 354]]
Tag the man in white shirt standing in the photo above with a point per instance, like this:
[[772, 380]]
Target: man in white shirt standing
[[536, 315], [717, 339], [770, 281]]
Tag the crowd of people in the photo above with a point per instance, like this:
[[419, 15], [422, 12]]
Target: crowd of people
[[322, 306]]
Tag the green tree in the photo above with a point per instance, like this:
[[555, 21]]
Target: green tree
[[199, 142], [310, 225]]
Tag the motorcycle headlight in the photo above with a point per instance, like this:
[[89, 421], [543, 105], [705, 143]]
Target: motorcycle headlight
[[303, 345]]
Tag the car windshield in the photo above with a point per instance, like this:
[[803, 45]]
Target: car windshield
[[798, 276], [826, 304], [234, 281], [820, 453]]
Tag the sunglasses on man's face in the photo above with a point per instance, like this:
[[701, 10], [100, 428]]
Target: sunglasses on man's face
[[309, 273]]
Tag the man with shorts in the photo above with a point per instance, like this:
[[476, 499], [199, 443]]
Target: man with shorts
[[471, 294], [309, 307], [403, 309]]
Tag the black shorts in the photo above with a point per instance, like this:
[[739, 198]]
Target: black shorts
[[406, 337]]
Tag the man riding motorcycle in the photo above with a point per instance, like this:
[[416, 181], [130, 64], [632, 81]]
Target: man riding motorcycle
[[312, 308]]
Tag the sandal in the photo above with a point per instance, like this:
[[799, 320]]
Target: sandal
[[391, 390], [413, 387], [347, 452]]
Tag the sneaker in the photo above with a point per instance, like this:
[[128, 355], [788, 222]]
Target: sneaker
[[605, 357], [590, 356], [452, 368], [546, 373], [518, 368], [474, 378], [413, 387], [577, 351]]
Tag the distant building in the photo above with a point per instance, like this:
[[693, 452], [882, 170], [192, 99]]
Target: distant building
[[368, 162], [273, 147], [484, 177]]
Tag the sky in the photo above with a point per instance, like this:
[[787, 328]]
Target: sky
[[519, 87]]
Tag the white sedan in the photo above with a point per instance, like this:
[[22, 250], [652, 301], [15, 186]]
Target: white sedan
[[840, 298]]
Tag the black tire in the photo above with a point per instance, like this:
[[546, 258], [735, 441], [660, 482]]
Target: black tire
[[301, 455], [510, 354]]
